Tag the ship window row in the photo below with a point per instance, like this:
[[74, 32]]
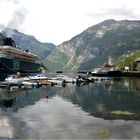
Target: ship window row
[[13, 51], [17, 55]]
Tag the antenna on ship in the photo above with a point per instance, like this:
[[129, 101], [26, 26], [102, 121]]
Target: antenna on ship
[[9, 41]]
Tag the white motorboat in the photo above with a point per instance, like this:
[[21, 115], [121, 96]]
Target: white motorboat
[[66, 78], [16, 79], [38, 77]]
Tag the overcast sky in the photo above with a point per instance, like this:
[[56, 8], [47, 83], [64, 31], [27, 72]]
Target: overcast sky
[[57, 21]]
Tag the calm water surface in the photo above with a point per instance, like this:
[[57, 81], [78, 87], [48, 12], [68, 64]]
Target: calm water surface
[[73, 112]]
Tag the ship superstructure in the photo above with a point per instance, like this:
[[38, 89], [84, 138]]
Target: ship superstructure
[[13, 59]]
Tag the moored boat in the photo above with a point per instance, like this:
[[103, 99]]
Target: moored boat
[[16, 79], [67, 79]]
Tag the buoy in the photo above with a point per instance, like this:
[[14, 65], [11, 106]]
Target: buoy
[[46, 96]]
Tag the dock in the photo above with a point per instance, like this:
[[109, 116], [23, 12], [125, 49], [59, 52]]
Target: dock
[[118, 74], [131, 73]]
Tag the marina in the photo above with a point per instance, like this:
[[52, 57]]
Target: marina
[[118, 74], [104, 109], [39, 80]]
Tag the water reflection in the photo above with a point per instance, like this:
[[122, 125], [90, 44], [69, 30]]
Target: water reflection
[[101, 99], [21, 98], [72, 112]]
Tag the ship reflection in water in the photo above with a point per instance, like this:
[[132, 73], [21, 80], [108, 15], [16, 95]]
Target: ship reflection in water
[[96, 110]]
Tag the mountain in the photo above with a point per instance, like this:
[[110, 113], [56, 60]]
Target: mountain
[[1, 27], [93, 46], [27, 42], [1, 39]]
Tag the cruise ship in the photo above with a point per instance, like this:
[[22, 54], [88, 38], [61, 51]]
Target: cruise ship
[[13, 59]]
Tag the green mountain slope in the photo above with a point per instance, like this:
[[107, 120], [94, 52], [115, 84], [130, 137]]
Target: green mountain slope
[[128, 60], [93, 46]]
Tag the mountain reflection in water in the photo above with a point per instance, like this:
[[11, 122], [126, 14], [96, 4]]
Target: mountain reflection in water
[[72, 112], [17, 99], [99, 99]]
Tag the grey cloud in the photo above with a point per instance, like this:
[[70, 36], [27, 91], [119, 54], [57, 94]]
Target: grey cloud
[[123, 11], [2, 27], [18, 18], [15, 1]]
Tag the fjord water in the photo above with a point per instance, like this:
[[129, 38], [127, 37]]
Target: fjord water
[[100, 110]]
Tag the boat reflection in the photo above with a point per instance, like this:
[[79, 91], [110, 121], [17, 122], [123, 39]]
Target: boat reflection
[[20, 98], [8, 103]]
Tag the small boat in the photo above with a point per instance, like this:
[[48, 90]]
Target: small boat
[[99, 72], [41, 79], [16, 79], [20, 82], [38, 77], [56, 81], [66, 78]]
